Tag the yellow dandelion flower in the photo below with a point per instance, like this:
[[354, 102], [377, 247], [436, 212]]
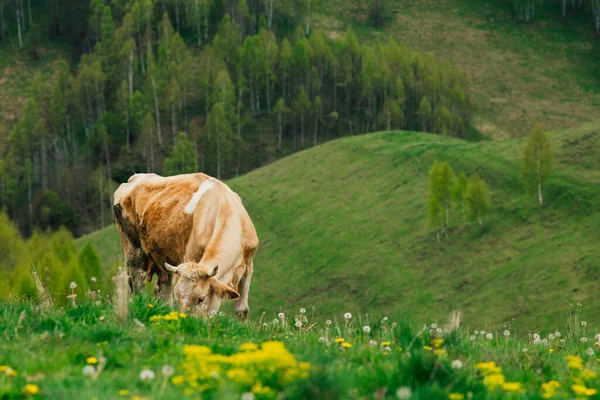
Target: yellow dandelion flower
[[550, 351], [150, 305], [182, 315], [587, 374], [92, 360], [437, 343], [399, 348], [123, 392], [11, 373], [196, 350], [260, 389], [339, 340], [136, 397], [31, 389], [493, 380], [4, 368], [428, 348], [512, 387], [177, 380], [456, 396], [591, 392], [188, 391], [482, 366], [346, 345], [385, 344], [440, 352], [248, 347], [580, 390]]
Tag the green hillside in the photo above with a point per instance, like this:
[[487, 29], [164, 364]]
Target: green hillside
[[343, 227]]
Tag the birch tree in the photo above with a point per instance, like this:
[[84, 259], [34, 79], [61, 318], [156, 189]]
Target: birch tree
[[537, 160]]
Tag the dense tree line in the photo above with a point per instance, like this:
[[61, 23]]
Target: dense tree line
[[219, 86], [525, 10]]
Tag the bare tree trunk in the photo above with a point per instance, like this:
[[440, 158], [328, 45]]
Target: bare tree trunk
[[540, 197], [2, 21], [107, 152], [280, 125], [29, 9], [177, 15], [205, 19], [174, 123], [101, 202], [316, 128], [270, 5], [302, 128], [198, 29], [19, 26], [157, 112], [128, 130], [130, 73]]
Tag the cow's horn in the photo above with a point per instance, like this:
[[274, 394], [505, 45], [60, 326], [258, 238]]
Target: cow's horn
[[170, 268], [213, 272]]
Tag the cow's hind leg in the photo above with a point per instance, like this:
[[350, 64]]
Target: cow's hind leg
[[135, 260], [241, 304]]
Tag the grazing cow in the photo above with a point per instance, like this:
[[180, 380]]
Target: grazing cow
[[191, 230]]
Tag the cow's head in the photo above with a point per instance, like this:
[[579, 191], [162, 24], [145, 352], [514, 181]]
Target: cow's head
[[198, 290]]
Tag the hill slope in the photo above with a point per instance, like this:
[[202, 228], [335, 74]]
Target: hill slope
[[520, 73], [343, 227]]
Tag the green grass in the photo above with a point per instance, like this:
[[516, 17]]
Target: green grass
[[51, 348], [343, 227], [546, 71]]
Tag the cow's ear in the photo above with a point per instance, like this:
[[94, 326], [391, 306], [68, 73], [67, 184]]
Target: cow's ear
[[171, 268], [228, 292]]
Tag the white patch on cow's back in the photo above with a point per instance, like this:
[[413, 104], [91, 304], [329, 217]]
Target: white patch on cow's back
[[205, 187]]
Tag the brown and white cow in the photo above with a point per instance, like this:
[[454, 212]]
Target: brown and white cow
[[191, 230]]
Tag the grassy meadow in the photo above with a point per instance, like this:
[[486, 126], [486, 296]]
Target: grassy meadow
[[83, 351]]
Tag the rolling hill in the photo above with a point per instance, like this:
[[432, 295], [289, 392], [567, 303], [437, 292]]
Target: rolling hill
[[343, 227]]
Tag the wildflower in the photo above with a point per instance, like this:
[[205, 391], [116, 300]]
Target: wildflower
[[167, 370], [557, 334], [92, 360], [482, 332], [476, 332], [587, 374], [275, 321], [597, 336], [247, 396], [347, 315], [387, 349], [394, 325], [574, 362], [562, 341], [322, 339], [581, 390], [93, 279], [123, 392], [72, 285], [328, 322], [281, 315], [147, 375], [525, 350], [583, 340], [366, 329], [440, 352], [550, 351], [303, 311], [248, 347], [537, 341], [150, 305], [583, 323], [512, 387], [372, 342], [493, 380], [489, 336], [456, 396], [437, 343], [404, 393], [545, 341], [506, 332], [31, 389], [536, 336], [590, 351], [549, 388], [551, 336], [177, 380], [433, 326], [346, 345], [339, 340], [385, 344], [298, 324], [428, 348], [456, 364], [473, 337], [88, 370], [438, 331], [384, 319]]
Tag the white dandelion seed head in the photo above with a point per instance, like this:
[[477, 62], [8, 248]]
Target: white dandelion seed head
[[433, 326], [506, 332], [275, 321], [438, 330], [551, 336], [102, 360], [482, 332], [204, 307], [583, 323], [476, 332], [387, 348], [525, 350], [93, 279], [221, 314], [167, 370], [404, 393], [328, 322], [384, 319], [97, 302], [489, 336], [589, 351], [303, 311], [373, 342], [394, 324], [536, 336], [366, 329], [212, 313], [597, 336], [537, 341], [72, 285], [322, 339], [147, 375], [88, 370], [298, 324], [473, 337], [557, 334], [247, 396], [347, 315], [562, 341], [281, 316], [583, 340], [264, 324], [457, 364], [545, 341]]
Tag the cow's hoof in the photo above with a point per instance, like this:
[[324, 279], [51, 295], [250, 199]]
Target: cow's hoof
[[242, 315]]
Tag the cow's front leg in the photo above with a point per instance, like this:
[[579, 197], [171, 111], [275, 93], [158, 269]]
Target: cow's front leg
[[164, 287], [241, 304]]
